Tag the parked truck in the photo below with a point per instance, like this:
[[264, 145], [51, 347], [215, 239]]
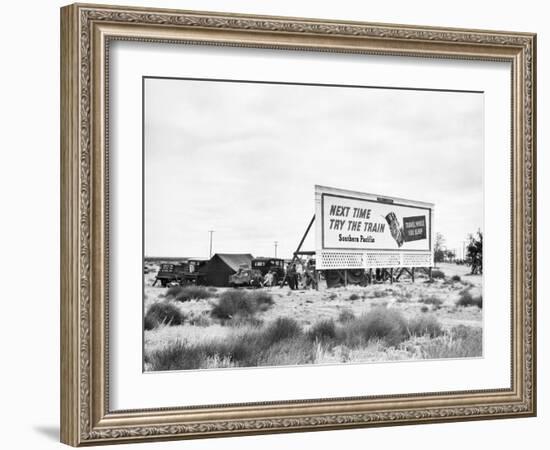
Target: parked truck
[[184, 273]]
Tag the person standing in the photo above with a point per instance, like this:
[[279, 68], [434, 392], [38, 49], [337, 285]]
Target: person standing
[[268, 279], [292, 276]]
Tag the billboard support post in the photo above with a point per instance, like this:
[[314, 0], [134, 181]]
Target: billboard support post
[[298, 249]]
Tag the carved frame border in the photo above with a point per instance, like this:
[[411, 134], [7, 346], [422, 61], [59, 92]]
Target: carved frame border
[[86, 31]]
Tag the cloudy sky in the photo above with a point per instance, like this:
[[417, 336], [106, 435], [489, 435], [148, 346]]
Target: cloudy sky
[[243, 158]]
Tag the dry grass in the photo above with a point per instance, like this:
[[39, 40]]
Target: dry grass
[[346, 315], [187, 293], [461, 342], [199, 320], [246, 347], [380, 334], [288, 352], [317, 327], [431, 300], [425, 325], [262, 298], [172, 291]]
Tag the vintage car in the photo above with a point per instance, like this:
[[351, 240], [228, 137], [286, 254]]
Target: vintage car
[[246, 277], [274, 265]]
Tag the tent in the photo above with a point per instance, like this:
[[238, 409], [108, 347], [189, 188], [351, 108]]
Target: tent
[[222, 265]]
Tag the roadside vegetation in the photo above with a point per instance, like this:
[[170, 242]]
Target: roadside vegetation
[[162, 313], [201, 327], [285, 342], [186, 293], [467, 299], [239, 304]]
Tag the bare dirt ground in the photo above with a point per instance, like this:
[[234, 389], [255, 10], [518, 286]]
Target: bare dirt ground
[[308, 307]]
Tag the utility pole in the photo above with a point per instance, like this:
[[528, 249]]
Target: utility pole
[[276, 242], [211, 233]]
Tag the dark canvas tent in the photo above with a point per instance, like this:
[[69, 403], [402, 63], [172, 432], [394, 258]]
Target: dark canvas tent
[[222, 265]]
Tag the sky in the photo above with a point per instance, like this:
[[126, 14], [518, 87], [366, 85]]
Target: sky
[[242, 159]]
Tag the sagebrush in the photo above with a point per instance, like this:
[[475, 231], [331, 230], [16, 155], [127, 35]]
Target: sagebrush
[[467, 299], [235, 303], [162, 313]]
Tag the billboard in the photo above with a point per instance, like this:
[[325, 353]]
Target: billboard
[[361, 230]]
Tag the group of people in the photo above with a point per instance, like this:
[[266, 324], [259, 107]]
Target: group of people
[[306, 277], [270, 279], [297, 276]]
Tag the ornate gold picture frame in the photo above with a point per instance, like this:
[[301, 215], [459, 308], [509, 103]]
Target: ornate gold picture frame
[[87, 31]]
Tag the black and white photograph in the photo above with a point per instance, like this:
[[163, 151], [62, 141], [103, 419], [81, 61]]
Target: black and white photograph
[[289, 224], [275, 225]]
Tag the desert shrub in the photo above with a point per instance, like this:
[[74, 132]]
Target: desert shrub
[[262, 298], [403, 297], [149, 323], [438, 274], [176, 356], [242, 350], [346, 315], [281, 328], [378, 294], [425, 325], [236, 302], [162, 313], [244, 321], [424, 309], [212, 289], [192, 292], [467, 299], [379, 323], [455, 278], [172, 291], [323, 330], [354, 297], [333, 296], [199, 320], [232, 303], [431, 300]]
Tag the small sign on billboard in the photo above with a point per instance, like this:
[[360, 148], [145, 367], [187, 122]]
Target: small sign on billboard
[[414, 228]]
